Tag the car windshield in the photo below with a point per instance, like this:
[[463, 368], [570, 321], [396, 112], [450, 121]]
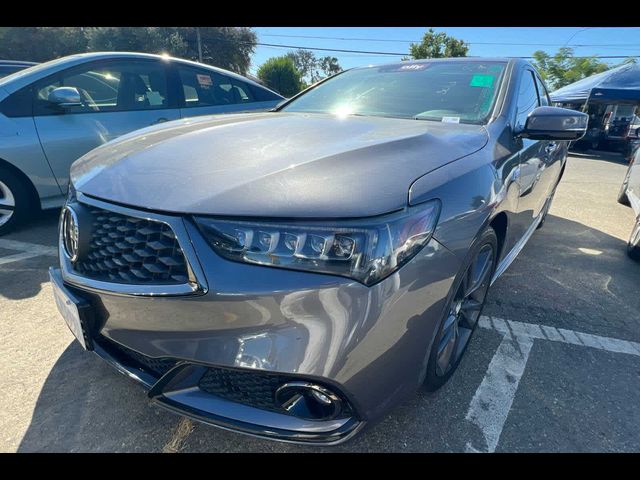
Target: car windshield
[[446, 91]]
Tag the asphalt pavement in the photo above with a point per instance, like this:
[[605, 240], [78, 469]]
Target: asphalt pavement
[[554, 366]]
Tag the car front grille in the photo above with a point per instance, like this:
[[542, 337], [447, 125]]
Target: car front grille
[[125, 249]]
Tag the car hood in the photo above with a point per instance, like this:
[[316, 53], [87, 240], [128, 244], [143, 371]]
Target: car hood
[[273, 164]]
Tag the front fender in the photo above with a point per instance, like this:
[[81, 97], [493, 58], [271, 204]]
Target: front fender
[[473, 190]]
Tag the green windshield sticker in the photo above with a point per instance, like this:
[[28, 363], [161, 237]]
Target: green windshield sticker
[[480, 80]]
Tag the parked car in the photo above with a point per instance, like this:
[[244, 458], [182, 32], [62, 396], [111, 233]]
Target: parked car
[[55, 112], [7, 67], [295, 274], [630, 196]]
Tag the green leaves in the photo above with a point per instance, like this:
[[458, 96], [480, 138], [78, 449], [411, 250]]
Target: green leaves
[[281, 75], [313, 69], [438, 45], [226, 47], [563, 68]]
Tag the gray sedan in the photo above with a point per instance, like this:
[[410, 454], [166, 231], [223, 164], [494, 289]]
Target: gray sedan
[[53, 113], [295, 274]]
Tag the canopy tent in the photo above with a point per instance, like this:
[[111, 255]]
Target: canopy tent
[[618, 85]]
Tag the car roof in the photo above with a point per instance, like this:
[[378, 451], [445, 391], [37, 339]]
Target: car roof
[[16, 62], [23, 78]]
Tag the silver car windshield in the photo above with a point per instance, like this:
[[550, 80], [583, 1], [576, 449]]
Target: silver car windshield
[[446, 91]]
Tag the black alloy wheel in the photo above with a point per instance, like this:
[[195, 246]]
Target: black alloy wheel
[[463, 311]]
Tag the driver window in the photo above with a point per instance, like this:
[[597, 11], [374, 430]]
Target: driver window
[[114, 87], [527, 98]]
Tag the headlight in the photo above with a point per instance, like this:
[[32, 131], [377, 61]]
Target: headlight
[[366, 250]]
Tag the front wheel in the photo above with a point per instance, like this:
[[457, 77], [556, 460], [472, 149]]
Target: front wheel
[[14, 201], [463, 310], [633, 246], [622, 193]]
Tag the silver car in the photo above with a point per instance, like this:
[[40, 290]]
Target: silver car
[[629, 195], [53, 113], [295, 274]]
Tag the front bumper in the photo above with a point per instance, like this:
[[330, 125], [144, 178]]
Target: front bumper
[[369, 344]]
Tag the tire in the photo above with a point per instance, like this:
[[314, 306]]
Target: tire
[[622, 194], [15, 201], [546, 209], [449, 345], [633, 246]]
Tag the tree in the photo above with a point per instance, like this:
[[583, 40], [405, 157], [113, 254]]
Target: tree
[[313, 69], [225, 47], [438, 45], [40, 44], [134, 39], [564, 68], [306, 63], [329, 66], [280, 74]]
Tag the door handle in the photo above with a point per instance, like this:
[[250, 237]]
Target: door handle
[[160, 120], [551, 147]]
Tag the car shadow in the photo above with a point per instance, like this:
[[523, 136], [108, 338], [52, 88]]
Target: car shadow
[[24, 278], [572, 276], [569, 276]]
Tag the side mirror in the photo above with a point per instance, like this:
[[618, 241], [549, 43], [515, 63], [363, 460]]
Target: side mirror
[[555, 123], [65, 97]]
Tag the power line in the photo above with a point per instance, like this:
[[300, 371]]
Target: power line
[[398, 54], [468, 43], [405, 54]]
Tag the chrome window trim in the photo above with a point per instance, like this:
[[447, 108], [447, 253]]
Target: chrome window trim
[[197, 284]]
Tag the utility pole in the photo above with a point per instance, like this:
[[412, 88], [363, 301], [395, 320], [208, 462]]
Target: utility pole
[[199, 44]]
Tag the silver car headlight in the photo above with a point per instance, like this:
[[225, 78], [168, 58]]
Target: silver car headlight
[[366, 250]]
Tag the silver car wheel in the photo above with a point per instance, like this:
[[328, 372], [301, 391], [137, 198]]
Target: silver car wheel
[[7, 203]]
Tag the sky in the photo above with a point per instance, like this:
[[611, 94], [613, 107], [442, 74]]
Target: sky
[[484, 41]]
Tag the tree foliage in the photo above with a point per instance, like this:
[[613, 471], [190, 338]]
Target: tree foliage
[[39, 44], [564, 68], [226, 47], [280, 74], [313, 69], [438, 45]]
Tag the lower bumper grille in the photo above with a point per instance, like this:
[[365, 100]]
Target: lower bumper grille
[[254, 389], [156, 366]]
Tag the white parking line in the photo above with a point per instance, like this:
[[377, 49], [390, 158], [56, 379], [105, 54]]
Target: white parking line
[[492, 401], [27, 250], [490, 406], [545, 332]]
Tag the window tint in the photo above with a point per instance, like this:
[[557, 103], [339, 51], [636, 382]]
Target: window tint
[[263, 95], [17, 104], [527, 98], [114, 87], [205, 88], [542, 93]]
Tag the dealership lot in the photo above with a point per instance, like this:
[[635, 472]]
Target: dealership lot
[[555, 365]]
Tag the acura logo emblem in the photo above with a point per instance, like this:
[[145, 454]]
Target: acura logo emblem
[[70, 233]]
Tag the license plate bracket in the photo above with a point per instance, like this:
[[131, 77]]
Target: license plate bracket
[[77, 312]]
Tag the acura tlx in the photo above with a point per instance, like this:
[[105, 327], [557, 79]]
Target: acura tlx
[[294, 274]]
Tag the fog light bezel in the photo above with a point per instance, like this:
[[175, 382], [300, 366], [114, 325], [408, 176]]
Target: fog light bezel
[[290, 392]]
